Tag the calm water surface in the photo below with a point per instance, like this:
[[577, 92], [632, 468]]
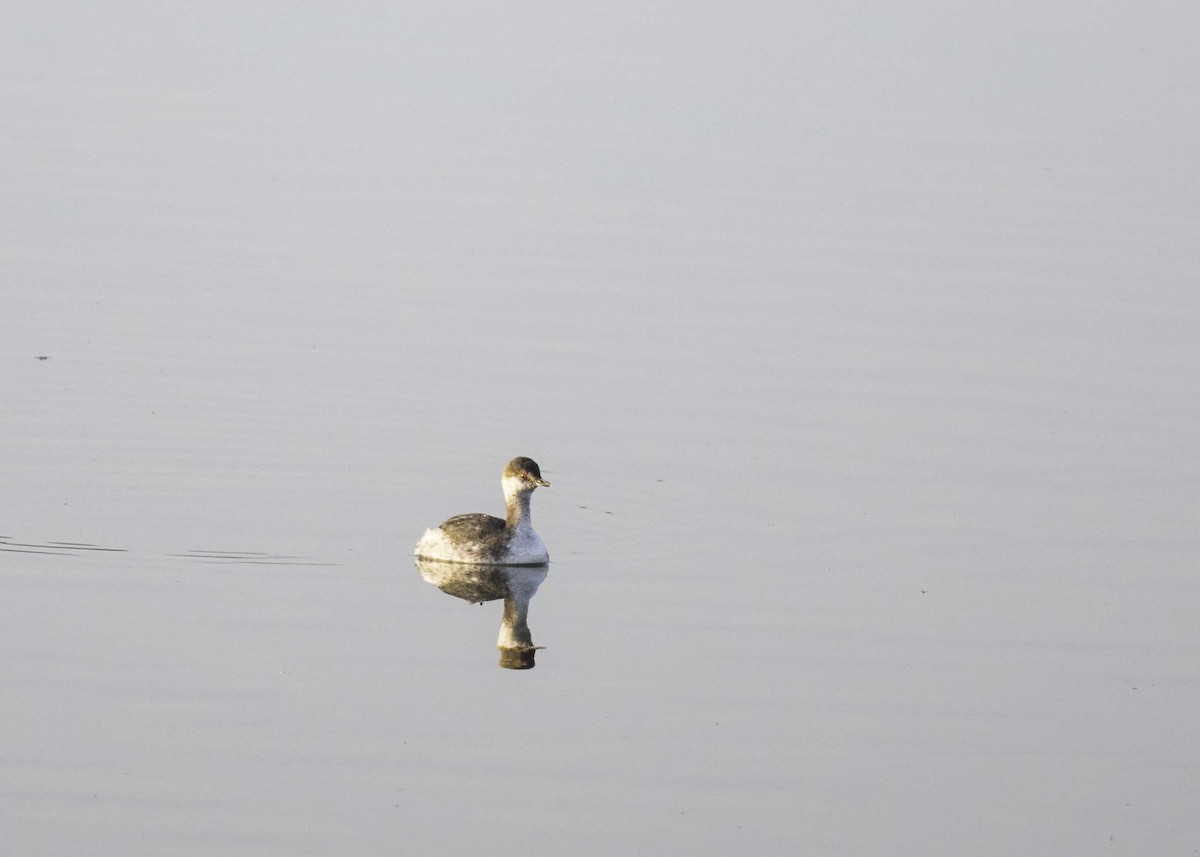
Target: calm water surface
[[859, 351]]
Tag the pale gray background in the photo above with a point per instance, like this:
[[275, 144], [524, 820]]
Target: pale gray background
[[858, 343]]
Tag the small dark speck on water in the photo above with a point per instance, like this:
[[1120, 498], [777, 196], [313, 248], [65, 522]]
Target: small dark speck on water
[[43, 357]]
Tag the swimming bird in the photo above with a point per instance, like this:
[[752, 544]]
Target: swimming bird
[[480, 538]]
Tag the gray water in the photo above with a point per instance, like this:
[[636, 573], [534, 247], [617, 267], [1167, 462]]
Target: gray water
[[857, 343]]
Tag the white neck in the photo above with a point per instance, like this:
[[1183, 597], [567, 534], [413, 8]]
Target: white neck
[[516, 501]]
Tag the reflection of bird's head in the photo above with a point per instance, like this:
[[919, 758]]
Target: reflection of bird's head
[[518, 659]]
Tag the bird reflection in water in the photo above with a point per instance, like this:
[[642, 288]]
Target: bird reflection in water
[[516, 584]]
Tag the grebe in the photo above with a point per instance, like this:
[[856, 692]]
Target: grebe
[[479, 538]]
